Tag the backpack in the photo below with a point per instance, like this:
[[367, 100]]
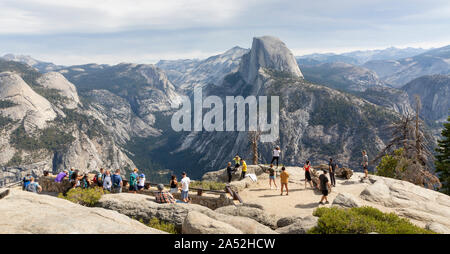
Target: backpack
[[115, 181], [133, 179], [31, 187]]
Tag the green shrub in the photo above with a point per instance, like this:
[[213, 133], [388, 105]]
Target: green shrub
[[208, 185], [161, 225], [87, 197], [7, 104], [362, 220]]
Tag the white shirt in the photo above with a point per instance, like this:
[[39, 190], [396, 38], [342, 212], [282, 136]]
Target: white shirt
[[141, 181], [185, 183], [276, 153], [107, 182]]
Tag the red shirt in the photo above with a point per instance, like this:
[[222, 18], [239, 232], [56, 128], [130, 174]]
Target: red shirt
[[306, 167]]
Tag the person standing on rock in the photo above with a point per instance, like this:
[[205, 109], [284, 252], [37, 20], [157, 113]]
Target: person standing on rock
[[99, 177], [307, 169], [133, 181], [237, 162], [61, 176], [272, 177], [284, 179], [276, 155], [324, 187], [332, 168], [365, 163], [117, 182], [244, 168], [141, 182], [107, 182], [229, 172], [185, 181]]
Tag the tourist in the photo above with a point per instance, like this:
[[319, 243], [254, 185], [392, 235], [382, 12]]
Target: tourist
[[332, 168], [307, 169], [276, 155], [141, 182], [107, 182], [25, 181], [173, 184], [133, 181], [324, 187], [61, 176], [70, 173], [185, 181], [272, 177], [284, 179], [75, 179], [237, 162], [99, 177], [229, 172], [365, 163], [85, 183], [117, 182], [244, 168], [164, 197], [33, 186]]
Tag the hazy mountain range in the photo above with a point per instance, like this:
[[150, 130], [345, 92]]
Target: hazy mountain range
[[95, 115]]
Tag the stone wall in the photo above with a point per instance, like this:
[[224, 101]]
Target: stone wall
[[48, 184]]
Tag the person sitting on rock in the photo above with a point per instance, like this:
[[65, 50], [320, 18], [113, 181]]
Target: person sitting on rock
[[33, 186], [26, 181], [163, 197], [325, 187]]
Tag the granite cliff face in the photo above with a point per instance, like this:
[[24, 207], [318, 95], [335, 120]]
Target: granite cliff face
[[401, 71], [187, 74], [434, 92], [270, 53], [45, 127]]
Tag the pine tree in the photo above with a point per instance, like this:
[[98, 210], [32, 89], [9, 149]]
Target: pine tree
[[443, 158]]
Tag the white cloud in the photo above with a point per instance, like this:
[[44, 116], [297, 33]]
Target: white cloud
[[87, 16]]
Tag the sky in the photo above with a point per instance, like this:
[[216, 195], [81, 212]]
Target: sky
[[69, 32]]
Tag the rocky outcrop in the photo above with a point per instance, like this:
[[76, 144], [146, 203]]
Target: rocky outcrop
[[408, 200], [198, 223], [29, 106], [22, 213], [221, 175], [286, 221], [250, 212], [344, 172], [144, 207], [187, 74], [270, 53], [55, 80], [300, 226], [346, 200]]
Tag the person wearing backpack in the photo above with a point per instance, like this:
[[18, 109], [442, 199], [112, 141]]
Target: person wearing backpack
[[99, 178], [33, 186], [26, 181], [133, 181], [117, 182]]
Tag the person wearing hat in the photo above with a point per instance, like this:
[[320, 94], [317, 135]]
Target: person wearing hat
[[141, 182], [237, 162], [276, 155], [325, 187], [163, 197]]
